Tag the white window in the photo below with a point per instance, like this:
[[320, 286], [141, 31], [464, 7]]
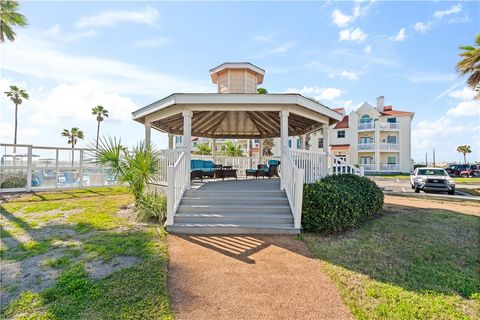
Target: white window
[[366, 160], [365, 119], [391, 160]]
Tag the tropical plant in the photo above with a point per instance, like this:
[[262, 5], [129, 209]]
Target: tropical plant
[[464, 149], [101, 114], [268, 145], [262, 91], [10, 17], [17, 95], [232, 149], [136, 168], [203, 149], [73, 135], [470, 65]]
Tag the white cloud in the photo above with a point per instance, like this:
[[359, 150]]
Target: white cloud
[[7, 131], [453, 10], [401, 35], [157, 42], [422, 27], [110, 18], [57, 33], [32, 57], [432, 77], [466, 94], [317, 92], [356, 35], [367, 49], [345, 74], [342, 20], [470, 109], [264, 37], [283, 48]]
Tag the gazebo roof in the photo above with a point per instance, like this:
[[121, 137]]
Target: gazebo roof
[[260, 73], [236, 115]]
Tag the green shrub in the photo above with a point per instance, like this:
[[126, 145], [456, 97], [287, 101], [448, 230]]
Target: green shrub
[[13, 181], [339, 202], [152, 206]]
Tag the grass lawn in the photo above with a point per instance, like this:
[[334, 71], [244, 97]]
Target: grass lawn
[[75, 254], [472, 192], [467, 180], [406, 177], [408, 263]]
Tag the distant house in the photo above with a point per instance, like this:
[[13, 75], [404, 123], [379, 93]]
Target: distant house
[[379, 139]]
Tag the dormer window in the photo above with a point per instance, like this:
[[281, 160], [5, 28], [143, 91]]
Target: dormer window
[[365, 119]]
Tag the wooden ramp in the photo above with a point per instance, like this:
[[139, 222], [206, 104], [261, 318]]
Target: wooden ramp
[[234, 207]]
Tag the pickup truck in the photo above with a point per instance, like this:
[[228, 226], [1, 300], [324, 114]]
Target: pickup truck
[[432, 179]]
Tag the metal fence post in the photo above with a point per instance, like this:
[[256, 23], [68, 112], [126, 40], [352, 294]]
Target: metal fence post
[[57, 176], [29, 169], [81, 169]]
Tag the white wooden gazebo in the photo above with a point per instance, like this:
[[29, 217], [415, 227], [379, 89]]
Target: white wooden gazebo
[[238, 111]]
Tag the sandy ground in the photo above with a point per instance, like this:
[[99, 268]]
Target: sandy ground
[[249, 277], [470, 207]]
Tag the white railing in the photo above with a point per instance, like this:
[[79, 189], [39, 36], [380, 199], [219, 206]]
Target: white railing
[[177, 180], [389, 167], [339, 166], [389, 146], [368, 167], [313, 163], [387, 125], [37, 168], [166, 158], [366, 146], [292, 181], [366, 126]]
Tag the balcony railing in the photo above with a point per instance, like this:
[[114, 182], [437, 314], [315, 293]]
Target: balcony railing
[[378, 125], [366, 146], [368, 167], [389, 167], [390, 146]]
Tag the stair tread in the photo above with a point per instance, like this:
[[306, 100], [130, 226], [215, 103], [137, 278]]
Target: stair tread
[[232, 206], [235, 214], [237, 225]]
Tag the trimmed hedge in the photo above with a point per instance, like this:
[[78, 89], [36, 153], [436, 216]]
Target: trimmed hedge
[[339, 202]]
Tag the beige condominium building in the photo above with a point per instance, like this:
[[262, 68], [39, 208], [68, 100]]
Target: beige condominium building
[[377, 138]]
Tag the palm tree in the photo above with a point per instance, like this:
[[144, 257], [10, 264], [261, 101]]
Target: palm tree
[[72, 136], [262, 91], [268, 144], [233, 150], [203, 149], [464, 149], [101, 114], [16, 95], [10, 17], [470, 65]]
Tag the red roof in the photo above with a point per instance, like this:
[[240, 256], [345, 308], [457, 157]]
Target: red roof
[[395, 113], [340, 147], [343, 124]]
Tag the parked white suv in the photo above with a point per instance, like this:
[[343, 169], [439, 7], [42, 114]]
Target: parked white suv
[[432, 179]]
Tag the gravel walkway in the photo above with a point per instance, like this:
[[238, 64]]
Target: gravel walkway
[[249, 277]]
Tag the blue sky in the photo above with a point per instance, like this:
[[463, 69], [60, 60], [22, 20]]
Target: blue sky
[[124, 55]]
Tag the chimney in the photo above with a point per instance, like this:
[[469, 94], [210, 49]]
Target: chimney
[[380, 105]]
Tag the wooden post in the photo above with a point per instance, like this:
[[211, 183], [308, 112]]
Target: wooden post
[[187, 141], [214, 150]]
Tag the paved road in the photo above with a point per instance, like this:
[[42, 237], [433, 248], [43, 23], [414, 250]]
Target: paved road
[[403, 186]]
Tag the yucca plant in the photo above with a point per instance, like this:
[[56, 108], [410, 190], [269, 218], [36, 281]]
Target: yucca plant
[[136, 168]]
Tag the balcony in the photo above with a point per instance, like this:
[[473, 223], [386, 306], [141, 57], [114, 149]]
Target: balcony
[[389, 167], [378, 125], [366, 146], [390, 146], [368, 167]]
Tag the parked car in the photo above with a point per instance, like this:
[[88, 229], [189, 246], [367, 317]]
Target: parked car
[[455, 169], [432, 179], [471, 171]]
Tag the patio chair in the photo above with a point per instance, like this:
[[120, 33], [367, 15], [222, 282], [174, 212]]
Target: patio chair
[[259, 172], [271, 169], [206, 167]]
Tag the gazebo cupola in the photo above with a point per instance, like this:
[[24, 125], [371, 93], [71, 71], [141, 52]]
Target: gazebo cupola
[[237, 77]]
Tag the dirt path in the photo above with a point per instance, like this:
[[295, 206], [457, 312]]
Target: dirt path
[[249, 277], [468, 208]]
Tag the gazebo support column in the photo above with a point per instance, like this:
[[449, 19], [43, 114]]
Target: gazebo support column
[[187, 141], [260, 152], [214, 151], [148, 133], [170, 141], [283, 142], [303, 144], [326, 146]]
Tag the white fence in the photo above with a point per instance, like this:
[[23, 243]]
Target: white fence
[[166, 158], [292, 182], [178, 177], [36, 168], [339, 166], [313, 163]]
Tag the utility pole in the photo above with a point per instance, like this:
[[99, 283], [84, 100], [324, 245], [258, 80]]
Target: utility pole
[[434, 158], [426, 159]]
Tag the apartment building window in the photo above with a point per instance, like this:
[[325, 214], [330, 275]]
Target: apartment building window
[[320, 143], [366, 160], [365, 140], [341, 134], [392, 139], [289, 143], [299, 144], [391, 160], [392, 120], [365, 119], [178, 139]]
